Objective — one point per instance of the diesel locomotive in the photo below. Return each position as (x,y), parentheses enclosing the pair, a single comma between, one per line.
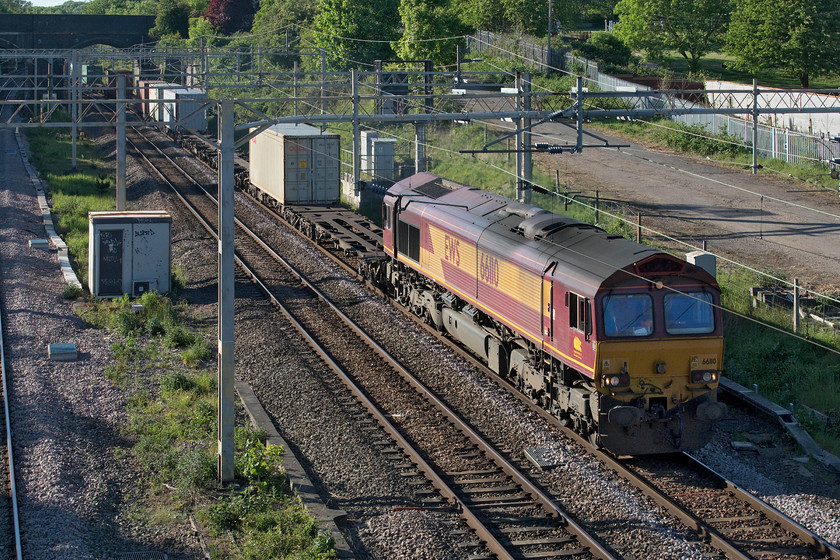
(620,341)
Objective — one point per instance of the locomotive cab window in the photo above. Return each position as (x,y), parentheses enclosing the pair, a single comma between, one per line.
(690,313)
(628,315)
(580,316)
(408,240)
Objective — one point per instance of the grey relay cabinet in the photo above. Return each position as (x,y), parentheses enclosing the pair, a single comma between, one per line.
(128,253)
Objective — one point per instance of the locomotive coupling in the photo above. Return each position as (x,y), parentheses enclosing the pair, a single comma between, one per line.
(625,416)
(712,411)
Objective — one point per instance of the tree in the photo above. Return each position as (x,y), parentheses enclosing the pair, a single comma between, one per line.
(800,36)
(230,16)
(519,16)
(690,27)
(172,19)
(431,30)
(354,33)
(14,6)
(201,28)
(276,15)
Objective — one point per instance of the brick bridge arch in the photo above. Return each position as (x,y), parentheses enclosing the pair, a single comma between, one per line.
(61,31)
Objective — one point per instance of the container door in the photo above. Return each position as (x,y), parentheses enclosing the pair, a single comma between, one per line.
(298,187)
(325,166)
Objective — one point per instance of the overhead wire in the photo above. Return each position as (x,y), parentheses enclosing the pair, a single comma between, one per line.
(615,216)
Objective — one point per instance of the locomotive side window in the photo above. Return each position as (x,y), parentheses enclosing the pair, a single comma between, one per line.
(628,315)
(386,216)
(408,240)
(690,313)
(580,316)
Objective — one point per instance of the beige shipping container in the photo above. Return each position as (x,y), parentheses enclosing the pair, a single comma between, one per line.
(296,164)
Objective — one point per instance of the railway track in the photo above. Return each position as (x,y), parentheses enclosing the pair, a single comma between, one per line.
(735,523)
(510,515)
(10,542)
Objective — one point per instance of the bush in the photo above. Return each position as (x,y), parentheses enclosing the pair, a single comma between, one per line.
(606,48)
(195,470)
(177,381)
(197,352)
(178,336)
(72,291)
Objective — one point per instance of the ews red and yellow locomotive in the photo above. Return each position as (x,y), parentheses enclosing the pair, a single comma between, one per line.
(621,341)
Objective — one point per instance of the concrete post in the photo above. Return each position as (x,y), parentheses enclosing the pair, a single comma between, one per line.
(295,85)
(226,293)
(323,80)
(120,143)
(796,305)
(755,128)
(419,147)
(520,196)
(75,77)
(357,137)
(527,165)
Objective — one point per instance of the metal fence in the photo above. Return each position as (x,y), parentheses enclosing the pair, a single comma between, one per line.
(514,48)
(773,142)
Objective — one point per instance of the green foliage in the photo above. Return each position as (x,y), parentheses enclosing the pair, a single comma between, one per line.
(265,520)
(72,292)
(13,6)
(685,138)
(229,514)
(172,19)
(274,16)
(800,36)
(606,48)
(201,28)
(258,462)
(690,27)
(424,21)
(511,16)
(74,192)
(195,470)
(356,32)
(176,381)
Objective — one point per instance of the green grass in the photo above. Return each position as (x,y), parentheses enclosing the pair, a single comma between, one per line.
(172,420)
(73,192)
(718,66)
(167,372)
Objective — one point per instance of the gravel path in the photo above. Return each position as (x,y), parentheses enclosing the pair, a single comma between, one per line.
(75,491)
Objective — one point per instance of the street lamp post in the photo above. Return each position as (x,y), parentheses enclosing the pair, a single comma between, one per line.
(835,174)
(548,48)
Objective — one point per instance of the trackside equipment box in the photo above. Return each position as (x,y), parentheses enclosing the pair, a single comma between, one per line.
(296,164)
(129,253)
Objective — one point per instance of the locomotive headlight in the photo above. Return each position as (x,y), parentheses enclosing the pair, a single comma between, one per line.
(706,376)
(619,380)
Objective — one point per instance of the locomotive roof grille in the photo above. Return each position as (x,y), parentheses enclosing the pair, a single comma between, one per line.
(660,265)
(437,188)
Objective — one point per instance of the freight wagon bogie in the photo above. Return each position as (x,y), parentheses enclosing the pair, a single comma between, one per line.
(617,340)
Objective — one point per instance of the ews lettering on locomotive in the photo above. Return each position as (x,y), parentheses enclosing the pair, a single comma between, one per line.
(451,250)
(488,269)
